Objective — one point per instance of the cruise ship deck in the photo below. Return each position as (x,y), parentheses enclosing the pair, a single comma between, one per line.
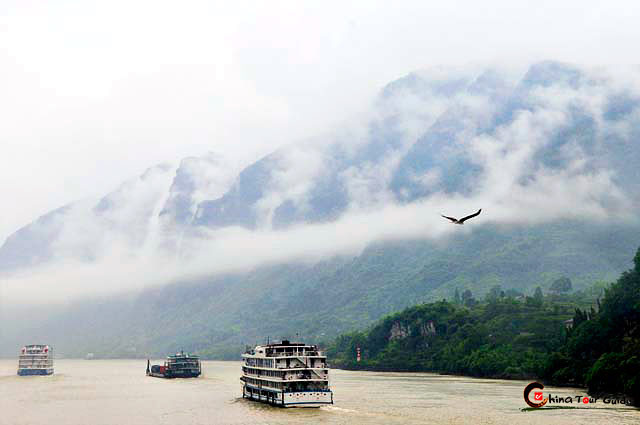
(36,359)
(286,374)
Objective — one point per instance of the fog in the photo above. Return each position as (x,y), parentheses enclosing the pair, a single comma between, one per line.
(130,248)
(94,93)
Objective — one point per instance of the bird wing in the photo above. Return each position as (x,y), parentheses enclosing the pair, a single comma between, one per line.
(462,220)
(450,218)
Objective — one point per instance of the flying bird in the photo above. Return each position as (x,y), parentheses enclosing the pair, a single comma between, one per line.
(463,219)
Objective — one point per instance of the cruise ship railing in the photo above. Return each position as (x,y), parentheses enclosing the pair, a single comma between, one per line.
(296,354)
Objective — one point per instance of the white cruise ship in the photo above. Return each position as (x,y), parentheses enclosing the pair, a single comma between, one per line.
(35,360)
(286,374)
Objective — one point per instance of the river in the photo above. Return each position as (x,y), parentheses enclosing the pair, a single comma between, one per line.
(115,392)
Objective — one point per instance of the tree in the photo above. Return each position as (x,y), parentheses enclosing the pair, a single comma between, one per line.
(456,297)
(537,300)
(579,317)
(467,298)
(537,295)
(513,293)
(494,293)
(603,345)
(561,285)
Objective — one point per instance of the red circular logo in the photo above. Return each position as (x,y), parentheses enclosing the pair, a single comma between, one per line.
(538,396)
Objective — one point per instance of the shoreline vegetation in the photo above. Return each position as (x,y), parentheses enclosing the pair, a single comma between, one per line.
(587,339)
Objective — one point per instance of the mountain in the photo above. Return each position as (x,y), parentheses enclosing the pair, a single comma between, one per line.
(146,213)
(217,316)
(82,230)
(551,154)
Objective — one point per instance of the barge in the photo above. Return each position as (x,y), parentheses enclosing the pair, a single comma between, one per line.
(179,365)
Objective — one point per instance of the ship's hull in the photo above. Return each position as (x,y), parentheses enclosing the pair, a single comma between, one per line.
(35,372)
(171,375)
(306,399)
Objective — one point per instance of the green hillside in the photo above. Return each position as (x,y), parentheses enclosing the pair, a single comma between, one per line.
(507,336)
(216,317)
(511,336)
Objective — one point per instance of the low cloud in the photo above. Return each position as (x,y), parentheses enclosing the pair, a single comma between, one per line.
(515,187)
(552,197)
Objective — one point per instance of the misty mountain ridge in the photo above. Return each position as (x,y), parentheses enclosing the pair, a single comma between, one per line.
(551,156)
(419,142)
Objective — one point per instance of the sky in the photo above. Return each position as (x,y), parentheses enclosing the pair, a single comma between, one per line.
(94,93)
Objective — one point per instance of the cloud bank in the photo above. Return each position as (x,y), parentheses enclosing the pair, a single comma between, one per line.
(94,92)
(541,147)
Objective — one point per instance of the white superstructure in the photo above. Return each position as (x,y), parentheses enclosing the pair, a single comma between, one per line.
(35,359)
(287,374)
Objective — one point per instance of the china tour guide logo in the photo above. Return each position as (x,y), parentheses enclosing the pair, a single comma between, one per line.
(538,396)
(540,400)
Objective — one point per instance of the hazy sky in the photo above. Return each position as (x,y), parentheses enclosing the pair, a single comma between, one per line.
(93,93)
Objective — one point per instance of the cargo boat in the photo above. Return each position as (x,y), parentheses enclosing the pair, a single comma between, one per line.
(179,365)
(286,374)
(36,359)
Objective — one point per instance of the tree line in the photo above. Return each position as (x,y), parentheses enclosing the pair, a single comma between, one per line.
(587,338)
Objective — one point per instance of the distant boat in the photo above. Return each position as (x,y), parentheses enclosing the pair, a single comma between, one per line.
(286,374)
(89,356)
(35,359)
(180,365)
